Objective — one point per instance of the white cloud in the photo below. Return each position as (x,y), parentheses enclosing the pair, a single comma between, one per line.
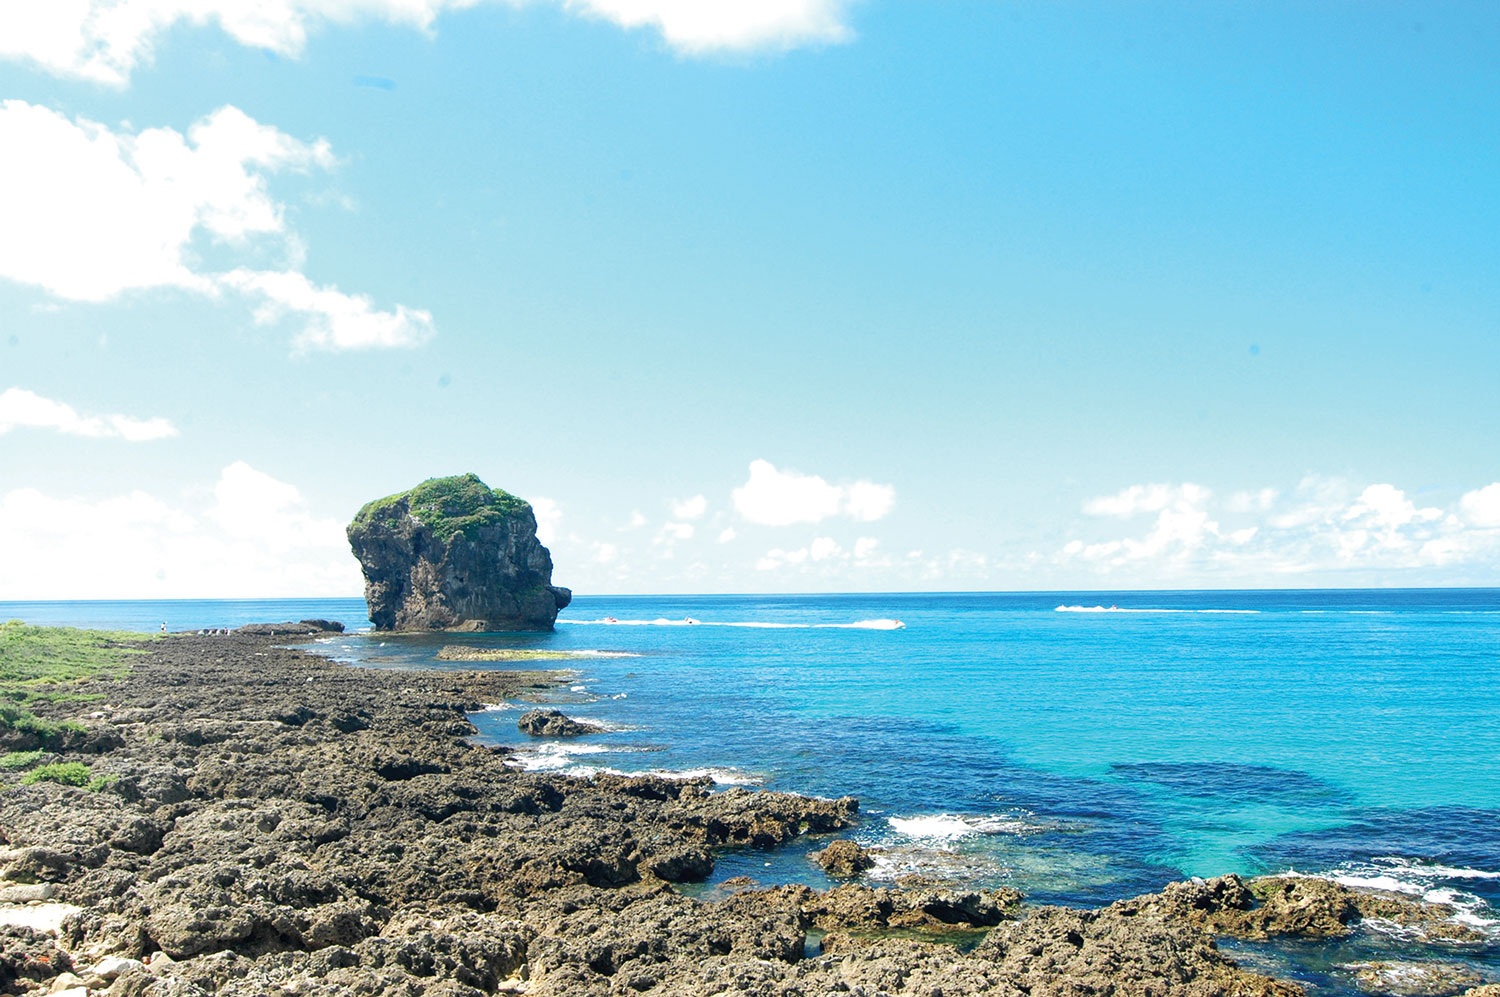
(1482,506)
(833,559)
(1388,506)
(1256,501)
(257,537)
(822,548)
(91,213)
(670,533)
(106,40)
(867,501)
(1138,499)
(782,498)
(334,321)
(548,518)
(692,508)
(727,534)
(1322,526)
(22,408)
(605,553)
(701,26)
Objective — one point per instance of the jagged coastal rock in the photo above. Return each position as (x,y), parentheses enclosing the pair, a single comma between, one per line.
(455,554)
(843,858)
(551,723)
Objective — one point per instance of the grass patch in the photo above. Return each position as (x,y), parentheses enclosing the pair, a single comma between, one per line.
(448,506)
(65,773)
(20,759)
(54,665)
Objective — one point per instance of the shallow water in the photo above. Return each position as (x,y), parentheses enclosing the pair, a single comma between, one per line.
(1081,755)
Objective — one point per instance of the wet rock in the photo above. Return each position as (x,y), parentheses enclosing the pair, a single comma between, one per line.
(552,723)
(843,858)
(1117,950)
(875,908)
(305,628)
(1297,906)
(1413,979)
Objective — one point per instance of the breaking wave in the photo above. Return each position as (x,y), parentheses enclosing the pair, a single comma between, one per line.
(1117,609)
(688,621)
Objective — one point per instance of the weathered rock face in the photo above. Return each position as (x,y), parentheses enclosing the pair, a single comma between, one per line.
(455,554)
(551,723)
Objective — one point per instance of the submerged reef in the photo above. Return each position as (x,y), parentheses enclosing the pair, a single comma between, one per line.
(455,554)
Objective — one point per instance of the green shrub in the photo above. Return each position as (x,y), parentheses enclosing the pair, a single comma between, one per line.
(19,759)
(66,773)
(449,506)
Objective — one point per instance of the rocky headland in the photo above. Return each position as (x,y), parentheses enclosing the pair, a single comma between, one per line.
(455,554)
(258,820)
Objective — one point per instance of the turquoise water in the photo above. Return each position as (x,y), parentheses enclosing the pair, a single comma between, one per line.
(1081,754)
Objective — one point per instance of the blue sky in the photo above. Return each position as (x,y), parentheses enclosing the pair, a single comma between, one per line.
(800,295)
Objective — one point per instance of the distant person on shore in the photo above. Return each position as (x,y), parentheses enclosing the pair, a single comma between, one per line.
(164,627)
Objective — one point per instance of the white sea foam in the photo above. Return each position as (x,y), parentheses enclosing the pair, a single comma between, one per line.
(1420,880)
(942,827)
(1117,609)
(553,757)
(950,827)
(1389,884)
(720,776)
(1439,871)
(878,624)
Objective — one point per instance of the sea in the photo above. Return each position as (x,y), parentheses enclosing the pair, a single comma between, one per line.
(1079,746)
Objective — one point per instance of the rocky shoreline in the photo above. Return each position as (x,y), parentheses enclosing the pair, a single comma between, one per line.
(266,821)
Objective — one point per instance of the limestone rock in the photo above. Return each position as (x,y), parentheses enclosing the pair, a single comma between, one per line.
(1413,979)
(551,723)
(454,554)
(843,858)
(306,628)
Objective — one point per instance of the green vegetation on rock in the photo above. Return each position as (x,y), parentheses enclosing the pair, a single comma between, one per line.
(20,759)
(66,773)
(53,665)
(449,506)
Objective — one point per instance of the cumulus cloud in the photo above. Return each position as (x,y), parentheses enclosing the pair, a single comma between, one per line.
(781,498)
(703,26)
(692,508)
(92,213)
(27,409)
(1482,506)
(257,536)
(548,518)
(1322,525)
(106,40)
(727,534)
(826,552)
(332,320)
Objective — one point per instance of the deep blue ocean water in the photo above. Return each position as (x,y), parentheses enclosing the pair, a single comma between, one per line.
(1080,746)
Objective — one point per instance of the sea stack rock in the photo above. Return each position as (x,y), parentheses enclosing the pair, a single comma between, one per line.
(455,554)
